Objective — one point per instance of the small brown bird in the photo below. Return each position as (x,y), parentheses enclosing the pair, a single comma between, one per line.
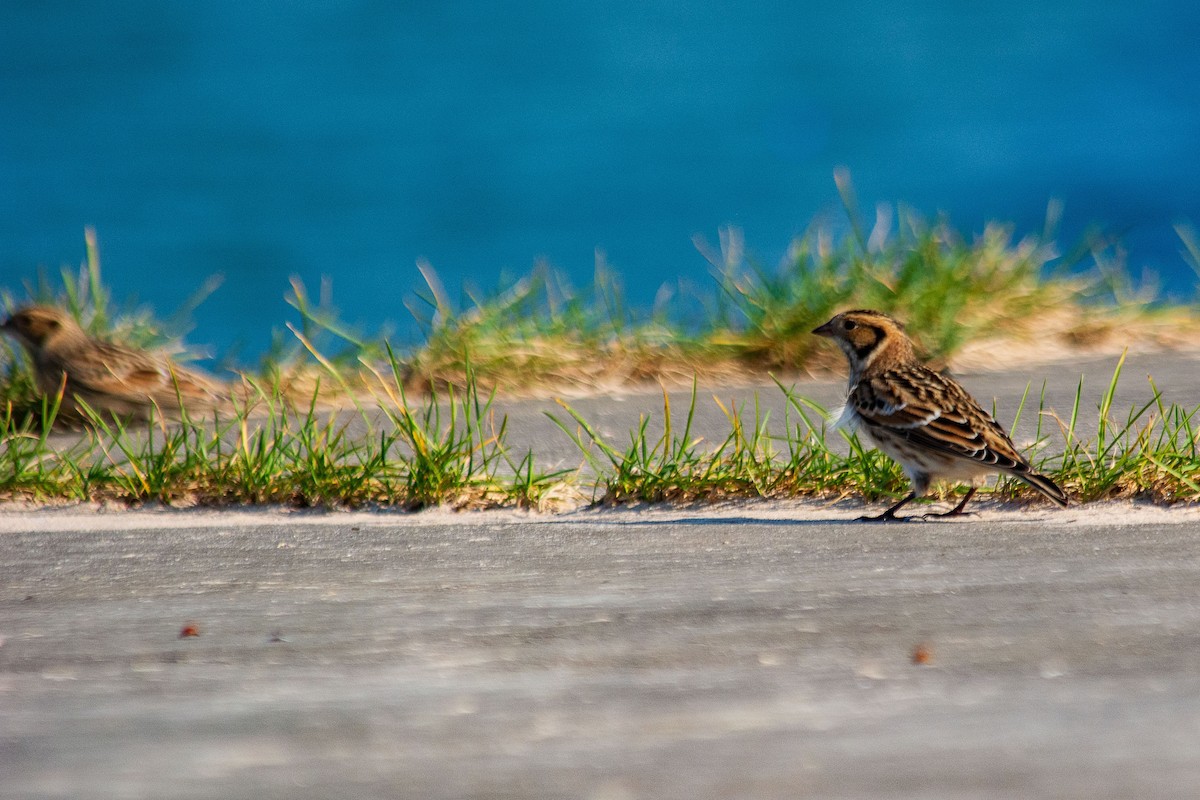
(107,377)
(921,418)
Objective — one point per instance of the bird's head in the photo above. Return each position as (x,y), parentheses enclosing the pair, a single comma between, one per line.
(35,326)
(868,338)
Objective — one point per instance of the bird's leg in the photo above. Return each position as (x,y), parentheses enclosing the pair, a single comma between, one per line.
(890,514)
(957,511)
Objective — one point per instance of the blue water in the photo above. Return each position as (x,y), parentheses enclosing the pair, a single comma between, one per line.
(261,140)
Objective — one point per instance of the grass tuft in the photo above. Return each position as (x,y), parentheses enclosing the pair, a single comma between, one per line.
(424,430)
(1150,454)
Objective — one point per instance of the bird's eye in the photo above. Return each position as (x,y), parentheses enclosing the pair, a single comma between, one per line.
(849,324)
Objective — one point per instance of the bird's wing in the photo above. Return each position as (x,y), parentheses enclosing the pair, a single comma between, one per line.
(932,410)
(134,375)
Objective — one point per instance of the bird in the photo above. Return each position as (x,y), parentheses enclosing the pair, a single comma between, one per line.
(122,381)
(922,419)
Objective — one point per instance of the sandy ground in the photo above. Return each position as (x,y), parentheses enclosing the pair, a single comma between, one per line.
(751,650)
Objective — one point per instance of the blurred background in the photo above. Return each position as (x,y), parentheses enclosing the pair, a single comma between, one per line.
(260,140)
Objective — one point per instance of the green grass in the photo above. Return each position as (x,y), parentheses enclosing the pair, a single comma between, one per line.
(426,433)
(1149,453)
(539,331)
(448,451)
(452,450)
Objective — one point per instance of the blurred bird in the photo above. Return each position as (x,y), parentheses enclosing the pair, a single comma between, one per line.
(121,381)
(921,418)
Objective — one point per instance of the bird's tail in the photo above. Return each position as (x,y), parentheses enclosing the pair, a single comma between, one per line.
(1043,485)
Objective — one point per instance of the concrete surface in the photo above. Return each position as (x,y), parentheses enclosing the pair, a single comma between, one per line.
(746,651)
(756,651)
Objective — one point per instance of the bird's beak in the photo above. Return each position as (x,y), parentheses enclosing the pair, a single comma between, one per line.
(824,330)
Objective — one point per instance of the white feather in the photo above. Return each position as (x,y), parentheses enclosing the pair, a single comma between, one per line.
(844,419)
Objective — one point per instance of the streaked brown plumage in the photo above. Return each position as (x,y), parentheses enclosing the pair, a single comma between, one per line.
(924,420)
(107,377)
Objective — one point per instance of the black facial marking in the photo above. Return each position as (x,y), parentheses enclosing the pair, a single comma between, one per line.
(863,349)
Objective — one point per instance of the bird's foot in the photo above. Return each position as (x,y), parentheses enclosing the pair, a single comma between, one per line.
(890,514)
(952,513)
(957,511)
(886,516)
